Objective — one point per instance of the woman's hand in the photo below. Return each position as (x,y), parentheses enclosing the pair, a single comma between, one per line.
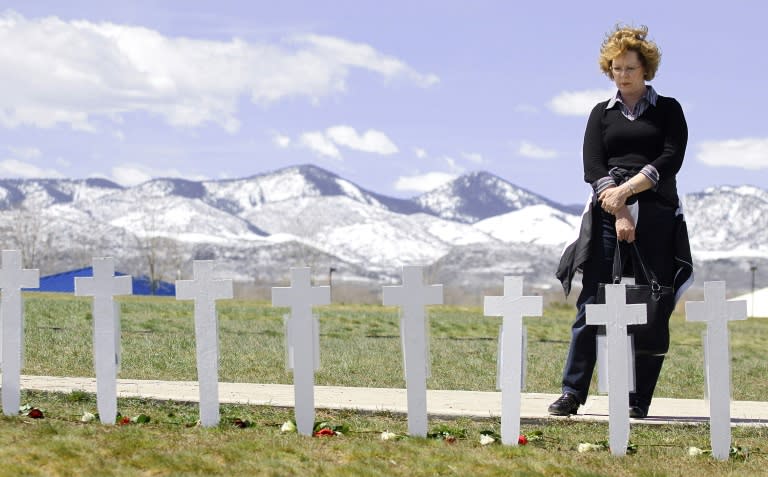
(625,225)
(613,199)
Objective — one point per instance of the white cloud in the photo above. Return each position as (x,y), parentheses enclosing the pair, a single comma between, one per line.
(371,141)
(747,153)
(578,103)
(281,141)
(533,151)
(326,142)
(364,56)
(451,163)
(420,153)
(473,157)
(78,72)
(424,182)
(318,142)
(24,170)
(133,174)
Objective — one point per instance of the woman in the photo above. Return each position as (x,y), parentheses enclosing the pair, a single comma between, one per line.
(634,145)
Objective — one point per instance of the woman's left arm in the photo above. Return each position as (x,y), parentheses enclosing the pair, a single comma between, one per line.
(612,200)
(675,139)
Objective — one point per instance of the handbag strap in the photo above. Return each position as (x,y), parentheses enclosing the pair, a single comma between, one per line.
(650,277)
(617,265)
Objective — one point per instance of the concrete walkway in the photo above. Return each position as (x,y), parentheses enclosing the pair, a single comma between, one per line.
(439,403)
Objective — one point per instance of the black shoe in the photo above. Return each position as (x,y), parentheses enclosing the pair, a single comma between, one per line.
(638,412)
(565,405)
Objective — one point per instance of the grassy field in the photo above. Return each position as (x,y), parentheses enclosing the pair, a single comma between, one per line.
(359,347)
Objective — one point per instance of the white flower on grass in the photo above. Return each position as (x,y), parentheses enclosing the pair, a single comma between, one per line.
(388,436)
(587,447)
(88,417)
(694,451)
(288,426)
(485,439)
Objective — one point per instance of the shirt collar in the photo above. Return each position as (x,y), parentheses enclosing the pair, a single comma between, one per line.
(650,95)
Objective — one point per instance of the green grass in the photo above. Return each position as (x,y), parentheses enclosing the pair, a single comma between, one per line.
(170,445)
(359,347)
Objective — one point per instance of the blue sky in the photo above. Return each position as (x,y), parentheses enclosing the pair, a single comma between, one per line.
(396,96)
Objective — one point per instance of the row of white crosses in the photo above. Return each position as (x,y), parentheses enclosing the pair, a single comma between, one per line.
(412,297)
(302,342)
(616,315)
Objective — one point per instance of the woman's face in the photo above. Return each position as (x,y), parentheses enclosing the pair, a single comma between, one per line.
(628,73)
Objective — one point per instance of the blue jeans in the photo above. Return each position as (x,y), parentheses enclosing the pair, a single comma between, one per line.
(582,354)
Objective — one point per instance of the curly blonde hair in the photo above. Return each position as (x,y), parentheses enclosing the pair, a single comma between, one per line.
(626,38)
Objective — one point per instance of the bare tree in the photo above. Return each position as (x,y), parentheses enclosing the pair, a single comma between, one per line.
(29,233)
(161,254)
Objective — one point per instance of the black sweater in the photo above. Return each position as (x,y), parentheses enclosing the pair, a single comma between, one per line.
(658,137)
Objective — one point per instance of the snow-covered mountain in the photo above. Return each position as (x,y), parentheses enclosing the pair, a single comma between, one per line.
(364,233)
(728,220)
(44,192)
(540,224)
(243,196)
(471,231)
(479,195)
(474,269)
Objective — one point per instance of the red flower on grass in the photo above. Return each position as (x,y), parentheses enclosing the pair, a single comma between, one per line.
(35,413)
(325,431)
(522,440)
(124,420)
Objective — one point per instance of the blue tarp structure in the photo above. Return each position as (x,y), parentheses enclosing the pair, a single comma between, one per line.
(65,282)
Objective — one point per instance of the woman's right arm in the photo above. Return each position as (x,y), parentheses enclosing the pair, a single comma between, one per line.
(594,154)
(625,225)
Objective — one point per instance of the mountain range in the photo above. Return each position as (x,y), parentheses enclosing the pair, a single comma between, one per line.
(469,232)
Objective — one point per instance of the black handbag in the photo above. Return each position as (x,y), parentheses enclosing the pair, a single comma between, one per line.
(651,338)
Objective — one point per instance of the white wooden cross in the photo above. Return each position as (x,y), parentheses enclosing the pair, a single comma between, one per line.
(412,296)
(616,314)
(602,363)
(204,290)
(717,312)
(103,286)
(300,297)
(12,279)
(512,307)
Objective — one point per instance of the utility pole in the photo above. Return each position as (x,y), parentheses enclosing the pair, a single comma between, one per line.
(753,269)
(330,280)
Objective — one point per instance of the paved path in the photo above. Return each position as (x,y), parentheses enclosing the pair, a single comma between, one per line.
(439,403)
